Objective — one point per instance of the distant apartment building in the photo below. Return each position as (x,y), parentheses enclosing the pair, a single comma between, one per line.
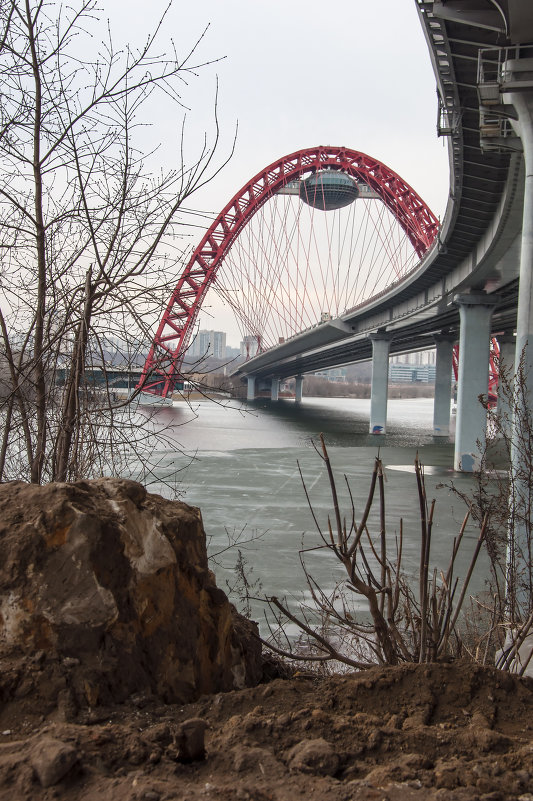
(337,375)
(418,358)
(416,368)
(208,343)
(411,373)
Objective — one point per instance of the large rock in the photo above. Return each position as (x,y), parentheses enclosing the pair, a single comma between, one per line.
(105,589)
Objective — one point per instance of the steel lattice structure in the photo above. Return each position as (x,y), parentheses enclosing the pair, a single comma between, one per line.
(177,324)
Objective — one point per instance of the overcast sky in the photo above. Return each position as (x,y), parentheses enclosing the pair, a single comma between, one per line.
(296,74)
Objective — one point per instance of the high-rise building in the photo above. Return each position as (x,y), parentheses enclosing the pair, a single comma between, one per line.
(208,343)
(416,358)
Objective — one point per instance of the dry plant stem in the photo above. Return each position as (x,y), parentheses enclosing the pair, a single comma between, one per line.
(395,597)
(325,456)
(291,655)
(456,543)
(382,537)
(491,630)
(526,664)
(370,498)
(424,557)
(509,654)
(333,653)
(473,561)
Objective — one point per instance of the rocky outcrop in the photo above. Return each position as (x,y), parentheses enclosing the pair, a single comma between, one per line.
(105,592)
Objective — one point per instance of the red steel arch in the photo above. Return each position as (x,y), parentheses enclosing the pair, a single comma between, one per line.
(174,331)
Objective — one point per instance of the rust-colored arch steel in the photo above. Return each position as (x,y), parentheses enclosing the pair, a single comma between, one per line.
(172,337)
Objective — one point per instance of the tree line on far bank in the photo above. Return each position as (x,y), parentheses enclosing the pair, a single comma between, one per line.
(316,386)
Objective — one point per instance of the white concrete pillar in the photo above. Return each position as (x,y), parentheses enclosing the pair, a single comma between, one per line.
(523,103)
(443,384)
(298,389)
(519,544)
(274,389)
(507,344)
(250,391)
(475,311)
(380,381)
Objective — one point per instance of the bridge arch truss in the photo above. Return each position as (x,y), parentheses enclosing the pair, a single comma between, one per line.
(176,327)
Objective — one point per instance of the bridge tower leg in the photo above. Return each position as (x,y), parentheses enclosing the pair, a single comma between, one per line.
(250,390)
(475,311)
(274,389)
(380,381)
(298,389)
(443,385)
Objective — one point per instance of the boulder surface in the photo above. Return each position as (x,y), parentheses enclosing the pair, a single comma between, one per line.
(105,592)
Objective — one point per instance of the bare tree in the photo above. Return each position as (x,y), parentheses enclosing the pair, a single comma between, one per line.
(405,622)
(87,233)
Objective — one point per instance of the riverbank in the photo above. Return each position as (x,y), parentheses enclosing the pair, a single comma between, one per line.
(446,732)
(439,732)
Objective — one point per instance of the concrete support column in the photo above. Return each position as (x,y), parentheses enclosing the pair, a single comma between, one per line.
(443,385)
(274,389)
(380,381)
(523,103)
(475,311)
(250,390)
(298,389)
(519,546)
(507,345)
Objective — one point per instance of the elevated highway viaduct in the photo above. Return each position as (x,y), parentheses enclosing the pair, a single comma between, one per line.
(475,281)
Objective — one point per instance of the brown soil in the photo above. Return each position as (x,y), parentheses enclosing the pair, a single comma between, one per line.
(450,731)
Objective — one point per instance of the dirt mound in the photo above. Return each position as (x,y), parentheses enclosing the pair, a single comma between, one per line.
(448,732)
(105,591)
(110,622)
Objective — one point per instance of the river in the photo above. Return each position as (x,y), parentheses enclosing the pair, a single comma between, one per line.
(240,464)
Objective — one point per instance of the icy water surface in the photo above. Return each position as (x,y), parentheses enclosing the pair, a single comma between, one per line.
(241,465)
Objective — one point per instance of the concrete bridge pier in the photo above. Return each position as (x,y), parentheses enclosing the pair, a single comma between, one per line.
(507,344)
(443,384)
(250,389)
(298,389)
(380,381)
(475,312)
(520,73)
(274,388)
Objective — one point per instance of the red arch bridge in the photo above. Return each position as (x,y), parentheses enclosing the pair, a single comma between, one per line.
(279,268)
(309,254)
